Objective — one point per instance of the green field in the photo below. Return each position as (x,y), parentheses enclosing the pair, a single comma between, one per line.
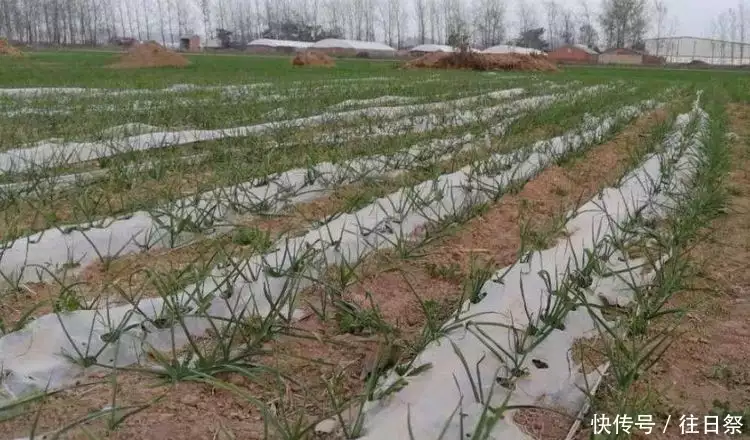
(289,240)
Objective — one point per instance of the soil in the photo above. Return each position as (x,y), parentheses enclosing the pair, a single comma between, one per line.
(705,371)
(141,272)
(312,58)
(7,49)
(316,353)
(480,61)
(150,54)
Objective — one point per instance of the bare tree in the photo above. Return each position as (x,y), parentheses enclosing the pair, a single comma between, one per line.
(568,27)
(420,14)
(732,31)
(624,22)
(526,16)
(553,13)
(721,29)
(741,11)
(660,16)
(489,18)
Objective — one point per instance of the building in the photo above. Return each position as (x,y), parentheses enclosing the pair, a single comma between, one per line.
(266,45)
(574,53)
(213,43)
(621,55)
(504,48)
(352,48)
(683,50)
(190,44)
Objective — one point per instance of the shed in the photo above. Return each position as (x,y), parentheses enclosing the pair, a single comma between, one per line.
(574,53)
(190,43)
(364,49)
(621,55)
(213,43)
(267,45)
(505,48)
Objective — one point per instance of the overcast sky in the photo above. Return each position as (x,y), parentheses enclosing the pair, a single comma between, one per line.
(693,17)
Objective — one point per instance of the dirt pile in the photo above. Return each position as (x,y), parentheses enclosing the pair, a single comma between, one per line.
(7,49)
(312,58)
(150,54)
(481,61)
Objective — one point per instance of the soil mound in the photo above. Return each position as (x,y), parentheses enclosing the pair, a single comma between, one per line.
(312,58)
(481,61)
(150,54)
(7,49)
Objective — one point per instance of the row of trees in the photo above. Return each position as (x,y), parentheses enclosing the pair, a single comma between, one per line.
(396,22)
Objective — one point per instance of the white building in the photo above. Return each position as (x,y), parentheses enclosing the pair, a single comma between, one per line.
(354,47)
(682,50)
(427,48)
(269,46)
(504,48)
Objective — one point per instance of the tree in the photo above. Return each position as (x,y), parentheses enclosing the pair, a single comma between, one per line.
(624,22)
(532,39)
(553,13)
(526,16)
(225,37)
(489,17)
(568,28)
(420,11)
(660,15)
(588,36)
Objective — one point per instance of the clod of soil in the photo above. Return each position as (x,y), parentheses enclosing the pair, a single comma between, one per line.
(312,58)
(480,61)
(7,49)
(150,54)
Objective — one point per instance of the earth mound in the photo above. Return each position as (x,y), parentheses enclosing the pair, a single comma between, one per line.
(7,49)
(150,54)
(481,61)
(312,58)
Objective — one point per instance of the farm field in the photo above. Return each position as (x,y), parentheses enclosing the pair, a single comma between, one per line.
(240,249)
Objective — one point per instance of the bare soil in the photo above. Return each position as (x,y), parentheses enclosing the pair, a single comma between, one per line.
(150,54)
(705,371)
(316,353)
(480,61)
(7,49)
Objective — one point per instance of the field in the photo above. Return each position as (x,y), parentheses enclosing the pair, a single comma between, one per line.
(240,249)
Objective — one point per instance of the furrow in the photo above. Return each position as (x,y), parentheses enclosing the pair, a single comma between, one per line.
(50,155)
(264,283)
(515,342)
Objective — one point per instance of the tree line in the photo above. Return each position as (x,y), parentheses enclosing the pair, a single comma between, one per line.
(398,23)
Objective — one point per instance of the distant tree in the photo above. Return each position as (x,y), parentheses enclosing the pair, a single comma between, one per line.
(624,22)
(489,16)
(532,39)
(297,30)
(459,40)
(568,30)
(588,36)
(225,37)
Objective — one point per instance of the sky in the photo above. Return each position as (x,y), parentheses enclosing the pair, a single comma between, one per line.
(693,17)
